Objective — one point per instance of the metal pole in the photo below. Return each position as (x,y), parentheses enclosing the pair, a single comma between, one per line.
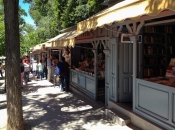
(133,39)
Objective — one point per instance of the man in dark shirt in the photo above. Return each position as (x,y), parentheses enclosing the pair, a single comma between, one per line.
(66,73)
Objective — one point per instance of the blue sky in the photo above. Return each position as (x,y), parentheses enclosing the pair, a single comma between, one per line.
(25,6)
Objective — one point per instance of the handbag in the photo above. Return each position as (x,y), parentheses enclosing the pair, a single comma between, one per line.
(58,79)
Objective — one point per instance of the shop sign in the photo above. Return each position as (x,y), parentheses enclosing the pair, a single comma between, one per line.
(86,35)
(125,38)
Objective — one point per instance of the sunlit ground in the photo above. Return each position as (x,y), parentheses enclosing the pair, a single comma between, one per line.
(46,108)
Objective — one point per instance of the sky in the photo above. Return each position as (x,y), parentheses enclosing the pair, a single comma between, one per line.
(25,6)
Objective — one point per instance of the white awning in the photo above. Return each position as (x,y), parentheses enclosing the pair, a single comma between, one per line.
(64,39)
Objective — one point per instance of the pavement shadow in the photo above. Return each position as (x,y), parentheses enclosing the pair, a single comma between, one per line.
(61,111)
(33,89)
(3,105)
(2,91)
(2,78)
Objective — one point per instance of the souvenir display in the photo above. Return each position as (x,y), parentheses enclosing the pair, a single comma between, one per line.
(87,66)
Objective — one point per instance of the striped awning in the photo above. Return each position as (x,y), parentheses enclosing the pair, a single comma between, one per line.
(128,9)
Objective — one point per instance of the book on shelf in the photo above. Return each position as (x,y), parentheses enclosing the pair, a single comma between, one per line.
(148,72)
(168,29)
(153,39)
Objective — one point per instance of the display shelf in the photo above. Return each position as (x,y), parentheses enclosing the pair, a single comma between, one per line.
(153,65)
(157,33)
(150,55)
(163,44)
(158,49)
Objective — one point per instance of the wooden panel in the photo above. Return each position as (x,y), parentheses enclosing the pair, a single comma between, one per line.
(112,69)
(173,108)
(153,100)
(74,77)
(81,81)
(126,85)
(107,68)
(113,87)
(113,59)
(127,56)
(90,85)
(125,72)
(126,59)
(106,95)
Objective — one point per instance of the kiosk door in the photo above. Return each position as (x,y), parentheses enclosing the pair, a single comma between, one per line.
(125,72)
(111,71)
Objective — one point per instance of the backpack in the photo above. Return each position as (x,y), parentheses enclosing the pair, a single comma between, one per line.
(59,68)
(22,68)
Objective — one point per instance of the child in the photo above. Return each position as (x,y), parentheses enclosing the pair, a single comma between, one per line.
(40,69)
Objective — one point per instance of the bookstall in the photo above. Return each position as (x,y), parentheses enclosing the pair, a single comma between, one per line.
(155,88)
(88,69)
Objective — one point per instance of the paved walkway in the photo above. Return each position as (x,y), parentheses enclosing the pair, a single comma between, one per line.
(46,108)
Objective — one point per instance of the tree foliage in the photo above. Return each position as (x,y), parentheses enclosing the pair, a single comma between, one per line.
(50,16)
(75,11)
(55,15)
(2,28)
(2,32)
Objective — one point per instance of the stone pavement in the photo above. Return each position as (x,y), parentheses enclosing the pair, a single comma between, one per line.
(46,108)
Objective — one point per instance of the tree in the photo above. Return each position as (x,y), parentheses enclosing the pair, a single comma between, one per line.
(14,97)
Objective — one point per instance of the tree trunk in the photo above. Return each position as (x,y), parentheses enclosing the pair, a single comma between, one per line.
(14,97)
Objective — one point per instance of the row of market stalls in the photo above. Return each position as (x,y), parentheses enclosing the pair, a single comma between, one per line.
(121,55)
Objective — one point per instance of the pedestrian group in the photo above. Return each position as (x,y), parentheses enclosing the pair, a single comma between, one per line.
(43,68)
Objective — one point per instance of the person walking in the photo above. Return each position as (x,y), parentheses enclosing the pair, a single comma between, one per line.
(45,67)
(22,72)
(49,68)
(59,72)
(66,73)
(26,72)
(35,69)
(40,69)
(1,68)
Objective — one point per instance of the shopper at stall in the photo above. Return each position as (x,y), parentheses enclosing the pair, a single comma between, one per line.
(22,72)
(59,73)
(26,59)
(26,72)
(49,67)
(1,68)
(66,73)
(67,56)
(35,69)
(45,67)
(40,69)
